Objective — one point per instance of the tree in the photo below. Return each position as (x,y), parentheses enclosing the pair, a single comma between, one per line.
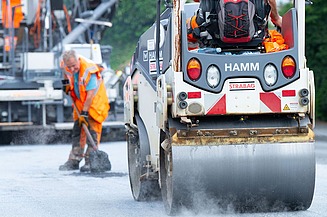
(316,52)
(132,18)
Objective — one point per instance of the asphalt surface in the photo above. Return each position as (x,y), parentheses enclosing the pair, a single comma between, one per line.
(32,186)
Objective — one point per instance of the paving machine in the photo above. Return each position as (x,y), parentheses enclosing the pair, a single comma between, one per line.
(231,127)
(34,33)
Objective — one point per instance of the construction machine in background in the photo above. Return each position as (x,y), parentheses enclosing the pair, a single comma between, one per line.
(215,126)
(34,34)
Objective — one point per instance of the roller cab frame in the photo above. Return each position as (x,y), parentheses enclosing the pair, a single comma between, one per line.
(238,130)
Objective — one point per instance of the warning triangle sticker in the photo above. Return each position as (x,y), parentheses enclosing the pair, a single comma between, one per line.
(286,107)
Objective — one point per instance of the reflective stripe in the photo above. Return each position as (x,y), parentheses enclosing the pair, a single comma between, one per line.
(98,86)
(92,82)
(85,74)
(68,74)
(87,70)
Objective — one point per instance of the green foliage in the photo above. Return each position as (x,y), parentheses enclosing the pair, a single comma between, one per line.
(132,18)
(284,8)
(316,52)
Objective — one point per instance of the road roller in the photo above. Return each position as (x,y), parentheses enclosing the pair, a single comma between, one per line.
(230,125)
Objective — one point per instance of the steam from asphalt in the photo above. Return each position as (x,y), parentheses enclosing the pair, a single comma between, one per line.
(99,175)
(40,137)
(199,199)
(206,205)
(203,204)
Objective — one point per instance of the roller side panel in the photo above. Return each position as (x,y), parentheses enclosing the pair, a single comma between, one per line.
(138,148)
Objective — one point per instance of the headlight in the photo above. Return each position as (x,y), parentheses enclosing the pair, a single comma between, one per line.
(270,74)
(213,76)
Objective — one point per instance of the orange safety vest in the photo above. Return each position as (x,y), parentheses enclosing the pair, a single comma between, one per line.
(7,13)
(100,104)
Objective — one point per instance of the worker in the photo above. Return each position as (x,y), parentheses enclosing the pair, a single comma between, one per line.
(209,19)
(83,82)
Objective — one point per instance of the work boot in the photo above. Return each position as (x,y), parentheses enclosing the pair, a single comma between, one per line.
(85,168)
(69,165)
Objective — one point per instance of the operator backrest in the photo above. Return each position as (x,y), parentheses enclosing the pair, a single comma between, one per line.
(235,22)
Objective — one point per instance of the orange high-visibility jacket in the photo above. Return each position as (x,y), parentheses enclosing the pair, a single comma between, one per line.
(100,104)
(7,13)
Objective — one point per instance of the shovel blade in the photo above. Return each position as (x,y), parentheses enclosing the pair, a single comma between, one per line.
(99,161)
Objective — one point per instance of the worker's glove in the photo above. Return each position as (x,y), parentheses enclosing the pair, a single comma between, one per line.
(193,31)
(83,119)
(66,87)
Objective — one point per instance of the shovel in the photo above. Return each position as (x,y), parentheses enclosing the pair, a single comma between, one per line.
(99,160)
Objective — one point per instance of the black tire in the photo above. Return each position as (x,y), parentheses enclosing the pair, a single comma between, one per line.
(138,148)
(166,178)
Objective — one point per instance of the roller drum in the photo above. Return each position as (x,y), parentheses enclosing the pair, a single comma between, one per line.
(260,177)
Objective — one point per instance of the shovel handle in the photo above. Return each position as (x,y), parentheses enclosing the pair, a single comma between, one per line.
(86,130)
(88,134)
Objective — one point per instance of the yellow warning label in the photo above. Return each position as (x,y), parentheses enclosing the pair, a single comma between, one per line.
(286,107)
